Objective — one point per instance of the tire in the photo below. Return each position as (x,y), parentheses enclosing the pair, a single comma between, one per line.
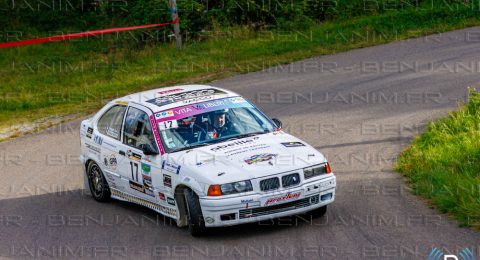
(196,223)
(97,183)
(320,212)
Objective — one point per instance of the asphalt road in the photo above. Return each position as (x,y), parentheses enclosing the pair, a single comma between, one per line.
(360,108)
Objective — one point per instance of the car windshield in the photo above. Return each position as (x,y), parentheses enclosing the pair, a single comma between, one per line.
(210,122)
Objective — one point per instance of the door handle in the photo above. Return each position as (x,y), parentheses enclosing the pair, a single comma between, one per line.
(121,152)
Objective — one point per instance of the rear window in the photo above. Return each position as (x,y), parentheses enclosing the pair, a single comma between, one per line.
(110,123)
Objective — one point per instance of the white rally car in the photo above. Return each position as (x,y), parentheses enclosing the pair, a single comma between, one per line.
(203,156)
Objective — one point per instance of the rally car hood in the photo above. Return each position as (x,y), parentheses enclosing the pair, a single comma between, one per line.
(247,158)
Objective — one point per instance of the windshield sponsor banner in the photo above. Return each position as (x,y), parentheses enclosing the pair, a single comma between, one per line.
(204,107)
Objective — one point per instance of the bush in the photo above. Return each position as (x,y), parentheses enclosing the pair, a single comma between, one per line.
(443,164)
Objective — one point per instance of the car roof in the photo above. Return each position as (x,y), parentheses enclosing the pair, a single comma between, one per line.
(161,99)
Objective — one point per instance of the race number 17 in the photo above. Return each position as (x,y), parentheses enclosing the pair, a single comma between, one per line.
(168,124)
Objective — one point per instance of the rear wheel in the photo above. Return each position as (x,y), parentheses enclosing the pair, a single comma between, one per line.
(97,183)
(196,223)
(320,212)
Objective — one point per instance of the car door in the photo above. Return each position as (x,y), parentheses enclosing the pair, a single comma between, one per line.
(137,169)
(107,135)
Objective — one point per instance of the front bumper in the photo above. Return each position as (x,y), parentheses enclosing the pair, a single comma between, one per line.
(257,207)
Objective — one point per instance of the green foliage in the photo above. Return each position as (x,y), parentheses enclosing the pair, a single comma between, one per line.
(443,164)
(45,16)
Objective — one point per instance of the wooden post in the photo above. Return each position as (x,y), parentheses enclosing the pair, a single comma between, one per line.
(176,26)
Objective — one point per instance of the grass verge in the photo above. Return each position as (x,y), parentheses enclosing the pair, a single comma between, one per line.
(443,164)
(80,76)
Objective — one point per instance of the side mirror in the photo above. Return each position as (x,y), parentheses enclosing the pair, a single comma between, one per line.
(277,122)
(147,150)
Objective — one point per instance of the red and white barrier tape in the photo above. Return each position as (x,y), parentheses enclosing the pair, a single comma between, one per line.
(82,34)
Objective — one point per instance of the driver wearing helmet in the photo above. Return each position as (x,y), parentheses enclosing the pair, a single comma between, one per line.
(220,126)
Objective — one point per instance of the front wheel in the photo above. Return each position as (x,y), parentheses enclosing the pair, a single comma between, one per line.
(97,183)
(196,223)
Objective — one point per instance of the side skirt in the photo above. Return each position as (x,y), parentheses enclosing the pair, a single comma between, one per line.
(167,211)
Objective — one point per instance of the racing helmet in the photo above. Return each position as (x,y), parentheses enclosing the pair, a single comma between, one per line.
(220,111)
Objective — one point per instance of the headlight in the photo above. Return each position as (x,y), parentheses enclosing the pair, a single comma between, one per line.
(317,170)
(230,188)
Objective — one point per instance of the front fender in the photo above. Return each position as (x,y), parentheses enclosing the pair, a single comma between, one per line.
(195,186)
(192,183)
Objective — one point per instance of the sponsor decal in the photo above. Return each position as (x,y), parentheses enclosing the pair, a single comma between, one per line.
(246,149)
(236,100)
(110,162)
(189,96)
(111,178)
(169,211)
(198,99)
(125,103)
(146,168)
(284,198)
(183,110)
(157,136)
(135,156)
(147,184)
(171,167)
(167,180)
(171,201)
(164,114)
(232,144)
(212,104)
(89,132)
(149,192)
(145,188)
(170,91)
(97,139)
(109,144)
(112,132)
(260,158)
(293,144)
(250,203)
(147,179)
(247,201)
(161,195)
(93,148)
(137,187)
(209,220)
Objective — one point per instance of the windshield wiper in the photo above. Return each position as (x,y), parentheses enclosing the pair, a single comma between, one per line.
(191,147)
